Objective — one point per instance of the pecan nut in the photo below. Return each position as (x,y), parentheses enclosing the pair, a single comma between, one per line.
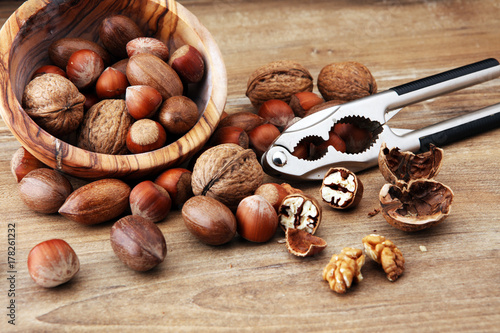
(300,211)
(384,252)
(344,269)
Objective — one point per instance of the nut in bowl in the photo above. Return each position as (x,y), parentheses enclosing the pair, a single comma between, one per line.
(25,41)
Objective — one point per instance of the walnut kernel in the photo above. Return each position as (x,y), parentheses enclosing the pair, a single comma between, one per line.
(384,252)
(343,269)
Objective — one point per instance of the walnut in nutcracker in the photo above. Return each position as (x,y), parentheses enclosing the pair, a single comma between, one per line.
(54,103)
(104,128)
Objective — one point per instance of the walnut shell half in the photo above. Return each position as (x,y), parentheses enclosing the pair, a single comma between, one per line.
(278,80)
(228,173)
(423,204)
(399,168)
(54,103)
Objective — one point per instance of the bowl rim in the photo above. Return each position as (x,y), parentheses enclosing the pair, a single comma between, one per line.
(78,162)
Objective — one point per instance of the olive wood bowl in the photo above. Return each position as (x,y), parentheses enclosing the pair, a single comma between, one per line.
(24,44)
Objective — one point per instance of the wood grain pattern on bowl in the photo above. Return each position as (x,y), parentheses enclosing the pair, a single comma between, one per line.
(25,39)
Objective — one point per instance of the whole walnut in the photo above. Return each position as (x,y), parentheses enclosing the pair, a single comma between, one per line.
(228,173)
(54,103)
(104,128)
(346,81)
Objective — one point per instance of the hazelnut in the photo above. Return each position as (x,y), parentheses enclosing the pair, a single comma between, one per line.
(274,193)
(188,62)
(276,112)
(333,140)
(356,139)
(54,103)
(150,201)
(116,31)
(44,190)
(49,69)
(262,137)
(178,114)
(150,45)
(111,84)
(90,99)
(52,263)
(145,135)
(230,134)
(23,162)
(97,202)
(341,188)
(177,182)
(256,219)
(245,119)
(84,68)
(138,243)
(209,220)
(303,101)
(142,101)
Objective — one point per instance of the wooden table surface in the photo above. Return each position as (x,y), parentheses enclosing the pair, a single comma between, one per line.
(452,287)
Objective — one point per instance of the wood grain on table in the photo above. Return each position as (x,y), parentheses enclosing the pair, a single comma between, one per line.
(452,287)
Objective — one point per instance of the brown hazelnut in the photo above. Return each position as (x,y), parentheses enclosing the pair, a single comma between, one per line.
(178,114)
(261,137)
(150,201)
(145,135)
(111,84)
(333,140)
(54,103)
(23,162)
(150,45)
(209,220)
(142,101)
(276,112)
(52,263)
(274,193)
(188,62)
(341,188)
(303,101)
(116,31)
(138,243)
(44,190)
(177,182)
(356,139)
(49,69)
(230,134)
(84,68)
(256,219)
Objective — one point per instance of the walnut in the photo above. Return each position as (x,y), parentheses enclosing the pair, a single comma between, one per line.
(303,244)
(384,252)
(228,173)
(278,80)
(54,103)
(300,211)
(346,81)
(343,269)
(104,128)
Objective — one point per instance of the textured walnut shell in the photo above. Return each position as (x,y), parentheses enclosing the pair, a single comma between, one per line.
(399,168)
(228,173)
(105,126)
(423,204)
(303,244)
(54,103)
(149,70)
(278,80)
(97,202)
(346,81)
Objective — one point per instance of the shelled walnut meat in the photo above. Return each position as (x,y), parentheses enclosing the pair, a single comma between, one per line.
(344,269)
(384,252)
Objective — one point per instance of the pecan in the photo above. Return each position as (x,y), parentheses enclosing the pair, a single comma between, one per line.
(384,252)
(343,269)
(299,211)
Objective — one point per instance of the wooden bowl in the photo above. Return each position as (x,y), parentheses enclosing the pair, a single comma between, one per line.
(24,43)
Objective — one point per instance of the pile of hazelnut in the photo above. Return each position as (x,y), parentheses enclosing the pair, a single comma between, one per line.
(127,96)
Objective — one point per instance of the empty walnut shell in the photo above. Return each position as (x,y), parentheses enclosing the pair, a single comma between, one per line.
(303,244)
(278,80)
(54,103)
(399,168)
(228,173)
(423,204)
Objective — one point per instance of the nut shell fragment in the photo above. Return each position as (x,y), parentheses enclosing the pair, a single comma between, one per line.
(341,188)
(300,211)
(228,173)
(303,244)
(399,168)
(344,269)
(384,252)
(278,80)
(423,204)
